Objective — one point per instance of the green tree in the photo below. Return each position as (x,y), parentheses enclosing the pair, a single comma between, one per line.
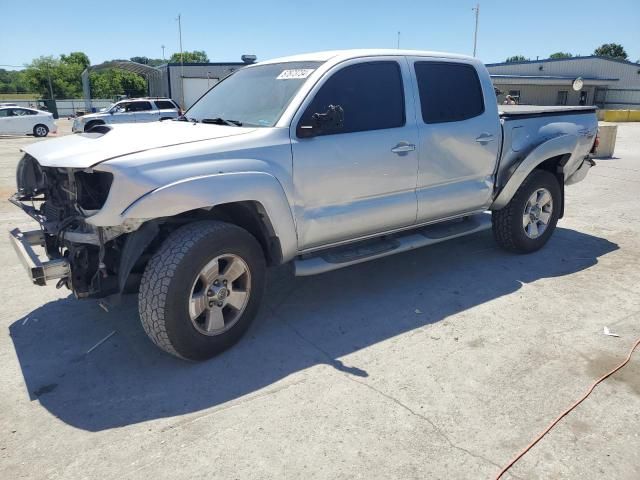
(561,55)
(612,50)
(516,58)
(76,58)
(62,75)
(111,82)
(152,62)
(196,56)
(13,81)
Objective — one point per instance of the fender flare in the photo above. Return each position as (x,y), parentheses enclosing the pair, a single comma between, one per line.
(208,191)
(555,147)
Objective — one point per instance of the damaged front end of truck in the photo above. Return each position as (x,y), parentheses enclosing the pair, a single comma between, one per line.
(84,258)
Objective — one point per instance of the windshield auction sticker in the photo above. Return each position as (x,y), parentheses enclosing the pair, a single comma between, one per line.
(294,74)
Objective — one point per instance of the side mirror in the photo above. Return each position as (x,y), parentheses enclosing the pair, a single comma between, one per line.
(321,123)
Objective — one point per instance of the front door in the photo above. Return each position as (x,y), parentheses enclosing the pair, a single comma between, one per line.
(360,178)
(123,112)
(460,138)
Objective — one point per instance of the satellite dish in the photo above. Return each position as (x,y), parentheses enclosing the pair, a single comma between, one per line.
(578,83)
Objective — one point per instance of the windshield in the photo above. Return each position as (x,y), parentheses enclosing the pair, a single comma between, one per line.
(253,96)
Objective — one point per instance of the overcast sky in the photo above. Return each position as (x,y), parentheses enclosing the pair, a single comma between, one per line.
(271,28)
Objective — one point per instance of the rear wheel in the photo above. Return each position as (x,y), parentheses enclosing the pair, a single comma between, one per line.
(525,224)
(40,130)
(202,289)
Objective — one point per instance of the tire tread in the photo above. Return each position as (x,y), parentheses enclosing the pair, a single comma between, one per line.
(503,220)
(154,287)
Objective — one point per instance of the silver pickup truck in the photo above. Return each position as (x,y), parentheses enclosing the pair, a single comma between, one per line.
(323,160)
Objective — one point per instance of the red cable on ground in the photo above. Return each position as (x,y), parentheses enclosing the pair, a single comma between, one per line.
(563,414)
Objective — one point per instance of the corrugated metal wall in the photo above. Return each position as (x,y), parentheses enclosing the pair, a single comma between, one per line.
(623,93)
(169,85)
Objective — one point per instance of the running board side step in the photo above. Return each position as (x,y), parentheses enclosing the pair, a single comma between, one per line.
(365,250)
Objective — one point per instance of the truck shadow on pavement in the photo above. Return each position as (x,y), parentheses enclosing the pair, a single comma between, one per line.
(303,322)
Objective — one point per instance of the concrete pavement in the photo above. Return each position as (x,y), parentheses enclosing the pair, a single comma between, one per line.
(438,363)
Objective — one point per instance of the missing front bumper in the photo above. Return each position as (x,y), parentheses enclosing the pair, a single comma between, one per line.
(38,271)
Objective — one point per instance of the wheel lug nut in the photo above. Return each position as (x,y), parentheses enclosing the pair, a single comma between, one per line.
(224,283)
(211,304)
(219,304)
(209,293)
(216,283)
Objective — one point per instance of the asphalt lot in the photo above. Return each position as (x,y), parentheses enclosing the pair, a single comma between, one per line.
(438,363)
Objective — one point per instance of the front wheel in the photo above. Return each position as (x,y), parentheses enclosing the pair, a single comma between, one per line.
(525,224)
(202,289)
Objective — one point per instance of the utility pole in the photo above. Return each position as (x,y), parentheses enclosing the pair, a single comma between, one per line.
(50,87)
(398,43)
(181,61)
(475,33)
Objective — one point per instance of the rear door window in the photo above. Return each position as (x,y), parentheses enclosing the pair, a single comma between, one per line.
(449,92)
(371,95)
(139,106)
(20,112)
(165,105)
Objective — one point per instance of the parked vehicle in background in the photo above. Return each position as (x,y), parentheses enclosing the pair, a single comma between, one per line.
(324,160)
(133,110)
(26,121)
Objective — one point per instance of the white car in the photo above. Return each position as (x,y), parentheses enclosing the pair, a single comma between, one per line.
(26,121)
(132,110)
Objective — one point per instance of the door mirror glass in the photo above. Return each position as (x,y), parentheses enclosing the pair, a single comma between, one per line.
(331,121)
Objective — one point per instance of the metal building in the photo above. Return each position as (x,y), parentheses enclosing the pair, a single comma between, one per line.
(607,83)
(186,83)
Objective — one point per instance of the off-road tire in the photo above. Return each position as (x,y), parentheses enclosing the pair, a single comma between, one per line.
(166,284)
(40,130)
(507,222)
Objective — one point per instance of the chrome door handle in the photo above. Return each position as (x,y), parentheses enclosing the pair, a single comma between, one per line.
(403,148)
(485,138)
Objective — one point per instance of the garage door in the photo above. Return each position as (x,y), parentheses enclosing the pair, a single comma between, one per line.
(194,88)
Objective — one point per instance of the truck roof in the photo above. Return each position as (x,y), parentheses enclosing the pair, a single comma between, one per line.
(341,55)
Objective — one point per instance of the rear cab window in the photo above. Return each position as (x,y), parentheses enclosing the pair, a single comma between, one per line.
(371,95)
(449,92)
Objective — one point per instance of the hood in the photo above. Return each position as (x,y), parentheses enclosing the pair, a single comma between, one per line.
(89,116)
(85,150)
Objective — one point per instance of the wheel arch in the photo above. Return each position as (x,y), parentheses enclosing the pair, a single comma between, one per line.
(92,123)
(254,201)
(551,156)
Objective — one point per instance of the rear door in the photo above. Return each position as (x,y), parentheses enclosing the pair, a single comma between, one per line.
(460,137)
(166,109)
(23,120)
(360,179)
(144,111)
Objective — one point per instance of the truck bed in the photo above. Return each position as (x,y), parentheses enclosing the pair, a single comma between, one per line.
(520,111)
